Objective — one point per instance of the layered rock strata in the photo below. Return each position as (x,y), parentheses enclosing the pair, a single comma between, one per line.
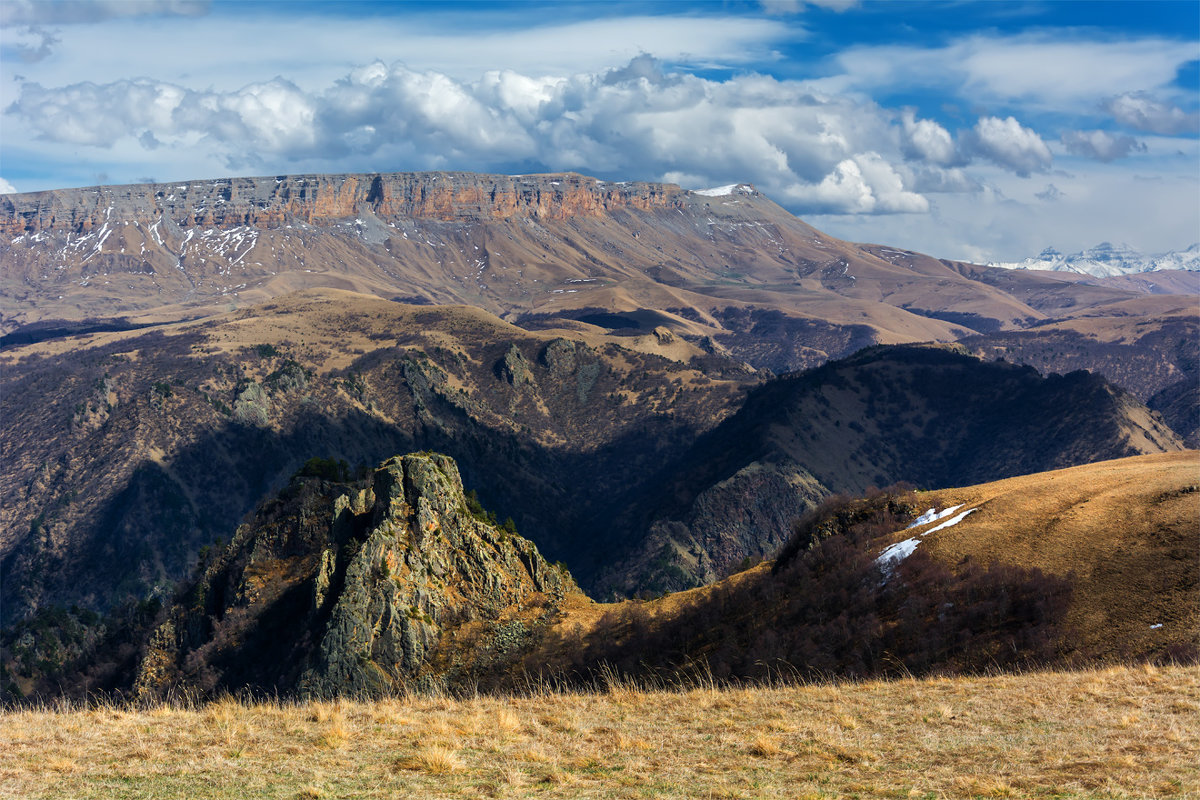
(312,199)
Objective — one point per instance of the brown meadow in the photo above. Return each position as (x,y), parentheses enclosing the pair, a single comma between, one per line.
(1124,731)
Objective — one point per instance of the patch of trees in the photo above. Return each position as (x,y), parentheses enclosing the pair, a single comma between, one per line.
(826,608)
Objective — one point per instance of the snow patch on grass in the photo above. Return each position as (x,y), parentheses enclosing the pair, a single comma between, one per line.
(895,553)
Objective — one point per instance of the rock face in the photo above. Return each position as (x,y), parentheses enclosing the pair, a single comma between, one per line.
(363,590)
(273,202)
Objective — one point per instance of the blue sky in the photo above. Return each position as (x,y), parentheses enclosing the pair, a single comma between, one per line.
(973,130)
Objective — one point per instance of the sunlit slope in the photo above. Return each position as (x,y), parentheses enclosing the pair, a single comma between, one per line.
(1079,565)
(1127,532)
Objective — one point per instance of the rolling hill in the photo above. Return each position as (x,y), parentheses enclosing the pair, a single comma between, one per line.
(141,447)
(401,582)
(1084,565)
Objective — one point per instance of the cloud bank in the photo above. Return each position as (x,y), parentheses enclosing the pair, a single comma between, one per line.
(932,146)
(821,153)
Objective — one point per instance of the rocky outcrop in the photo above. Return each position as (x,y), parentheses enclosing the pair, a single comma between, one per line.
(270,202)
(361,590)
(514,368)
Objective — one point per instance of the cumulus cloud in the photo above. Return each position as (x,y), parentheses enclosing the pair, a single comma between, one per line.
(865,184)
(1009,144)
(1100,145)
(1141,111)
(870,184)
(926,140)
(822,151)
(6,187)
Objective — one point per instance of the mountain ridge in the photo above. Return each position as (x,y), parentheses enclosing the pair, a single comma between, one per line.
(1107,260)
(400,582)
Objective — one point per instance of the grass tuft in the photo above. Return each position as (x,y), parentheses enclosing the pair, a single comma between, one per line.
(764,747)
(434,759)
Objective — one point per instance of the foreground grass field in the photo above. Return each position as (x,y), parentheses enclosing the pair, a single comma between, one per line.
(1118,732)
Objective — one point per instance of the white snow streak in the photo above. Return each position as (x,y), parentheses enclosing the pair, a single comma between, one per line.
(894,554)
(933,515)
(719,191)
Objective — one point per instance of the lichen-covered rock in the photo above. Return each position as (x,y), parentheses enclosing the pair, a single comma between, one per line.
(559,358)
(515,368)
(364,609)
(252,405)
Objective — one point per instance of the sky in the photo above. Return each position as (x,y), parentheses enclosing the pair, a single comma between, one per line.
(982,131)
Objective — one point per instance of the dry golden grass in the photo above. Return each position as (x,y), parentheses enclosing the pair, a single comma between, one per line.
(1116,732)
(1126,529)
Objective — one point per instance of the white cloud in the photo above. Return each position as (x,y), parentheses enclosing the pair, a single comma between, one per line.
(1007,220)
(928,141)
(1010,144)
(6,187)
(1141,111)
(797,6)
(864,184)
(639,120)
(1038,69)
(66,12)
(206,52)
(1100,145)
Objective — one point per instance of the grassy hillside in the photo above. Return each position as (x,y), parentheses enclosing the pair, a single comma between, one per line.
(930,416)
(1070,567)
(1112,733)
(1125,530)
(1090,563)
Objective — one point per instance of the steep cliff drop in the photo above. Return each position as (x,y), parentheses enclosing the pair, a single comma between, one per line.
(361,590)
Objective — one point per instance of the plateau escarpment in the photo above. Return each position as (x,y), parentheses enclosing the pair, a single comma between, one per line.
(728,267)
(313,199)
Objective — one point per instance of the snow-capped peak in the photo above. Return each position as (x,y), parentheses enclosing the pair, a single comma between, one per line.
(1106,260)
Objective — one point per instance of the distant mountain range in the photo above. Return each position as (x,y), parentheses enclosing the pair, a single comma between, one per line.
(1107,260)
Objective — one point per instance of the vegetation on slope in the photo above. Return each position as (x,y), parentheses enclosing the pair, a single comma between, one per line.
(124,458)
(931,416)
(826,607)
(1076,566)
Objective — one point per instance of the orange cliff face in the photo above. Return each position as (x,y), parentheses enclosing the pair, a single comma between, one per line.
(313,199)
